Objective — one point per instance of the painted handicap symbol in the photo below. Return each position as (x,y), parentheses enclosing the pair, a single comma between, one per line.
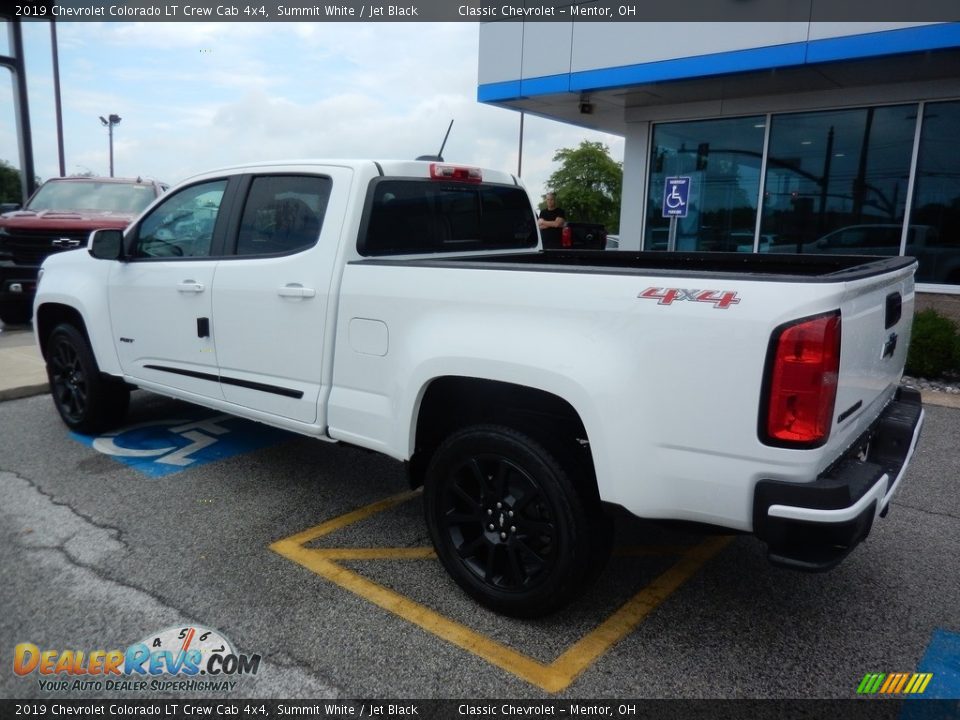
(160,447)
(170,455)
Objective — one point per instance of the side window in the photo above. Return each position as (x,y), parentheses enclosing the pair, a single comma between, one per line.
(182,225)
(283,214)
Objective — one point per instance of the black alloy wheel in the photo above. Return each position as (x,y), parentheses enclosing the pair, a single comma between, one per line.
(499,522)
(87,401)
(68,381)
(506,521)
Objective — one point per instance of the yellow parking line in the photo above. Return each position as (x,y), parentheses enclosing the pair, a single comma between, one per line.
(552,677)
(649,550)
(314,533)
(624,621)
(400,553)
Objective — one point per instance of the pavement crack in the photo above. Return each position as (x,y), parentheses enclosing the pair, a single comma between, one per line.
(46,524)
(114,532)
(925,511)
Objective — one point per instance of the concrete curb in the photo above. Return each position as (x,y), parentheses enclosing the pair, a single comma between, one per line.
(23,391)
(940,399)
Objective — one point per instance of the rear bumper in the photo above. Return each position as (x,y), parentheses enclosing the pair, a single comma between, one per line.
(813,526)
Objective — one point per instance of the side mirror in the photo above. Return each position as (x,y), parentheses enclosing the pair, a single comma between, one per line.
(9,207)
(106,244)
(822,243)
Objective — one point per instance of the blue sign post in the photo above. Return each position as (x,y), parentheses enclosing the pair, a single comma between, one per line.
(676,199)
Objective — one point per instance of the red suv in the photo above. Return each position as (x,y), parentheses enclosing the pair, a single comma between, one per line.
(59,216)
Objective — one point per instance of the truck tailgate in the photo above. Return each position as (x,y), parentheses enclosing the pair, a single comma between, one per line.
(876,317)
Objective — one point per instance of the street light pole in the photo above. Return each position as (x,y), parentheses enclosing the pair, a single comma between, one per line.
(109,122)
(56,95)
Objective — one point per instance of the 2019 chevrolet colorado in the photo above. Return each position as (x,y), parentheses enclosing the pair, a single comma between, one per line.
(408,308)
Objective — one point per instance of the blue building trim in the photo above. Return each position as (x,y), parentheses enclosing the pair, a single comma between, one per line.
(491,92)
(546,85)
(691,67)
(878,44)
(891,42)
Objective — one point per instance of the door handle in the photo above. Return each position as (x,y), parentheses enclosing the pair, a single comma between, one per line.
(190,286)
(296,290)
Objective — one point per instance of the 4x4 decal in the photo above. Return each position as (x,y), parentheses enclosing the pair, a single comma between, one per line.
(720,299)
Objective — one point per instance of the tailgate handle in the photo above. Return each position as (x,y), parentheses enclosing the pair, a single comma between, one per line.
(889,347)
(894,310)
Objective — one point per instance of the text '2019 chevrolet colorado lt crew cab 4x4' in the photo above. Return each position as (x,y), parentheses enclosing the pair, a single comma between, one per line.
(406,307)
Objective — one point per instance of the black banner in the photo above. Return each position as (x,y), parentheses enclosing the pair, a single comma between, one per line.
(489,10)
(488,709)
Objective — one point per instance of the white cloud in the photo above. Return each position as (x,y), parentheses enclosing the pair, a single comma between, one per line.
(195,96)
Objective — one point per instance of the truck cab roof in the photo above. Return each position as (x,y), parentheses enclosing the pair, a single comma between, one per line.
(387,168)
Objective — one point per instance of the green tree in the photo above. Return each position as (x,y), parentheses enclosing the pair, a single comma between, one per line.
(10,190)
(588,184)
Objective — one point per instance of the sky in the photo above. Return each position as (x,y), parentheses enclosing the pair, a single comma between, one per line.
(197,96)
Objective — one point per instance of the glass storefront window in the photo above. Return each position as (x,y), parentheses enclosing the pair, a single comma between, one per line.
(935,218)
(837,181)
(722,158)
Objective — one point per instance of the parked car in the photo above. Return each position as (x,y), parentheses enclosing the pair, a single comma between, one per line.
(744,241)
(581,236)
(59,216)
(939,260)
(407,308)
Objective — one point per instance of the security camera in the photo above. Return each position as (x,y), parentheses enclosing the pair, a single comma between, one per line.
(586,108)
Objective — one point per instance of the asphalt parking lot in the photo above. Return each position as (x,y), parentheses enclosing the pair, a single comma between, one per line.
(316,558)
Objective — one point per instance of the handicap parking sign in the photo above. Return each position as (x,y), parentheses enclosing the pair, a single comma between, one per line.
(676,194)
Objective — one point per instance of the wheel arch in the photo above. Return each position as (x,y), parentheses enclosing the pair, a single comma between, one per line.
(449,403)
(49,315)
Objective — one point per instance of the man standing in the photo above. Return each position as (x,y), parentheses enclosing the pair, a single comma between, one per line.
(551,222)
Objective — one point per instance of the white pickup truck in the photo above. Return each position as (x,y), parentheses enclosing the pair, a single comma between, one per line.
(407,307)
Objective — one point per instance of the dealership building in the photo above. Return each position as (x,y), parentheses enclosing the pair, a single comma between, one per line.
(797,136)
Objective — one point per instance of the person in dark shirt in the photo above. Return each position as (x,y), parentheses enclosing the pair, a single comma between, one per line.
(551,222)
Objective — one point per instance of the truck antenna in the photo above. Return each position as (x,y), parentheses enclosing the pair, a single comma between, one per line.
(439,156)
(444,144)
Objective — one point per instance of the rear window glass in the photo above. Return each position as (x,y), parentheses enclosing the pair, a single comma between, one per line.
(426,216)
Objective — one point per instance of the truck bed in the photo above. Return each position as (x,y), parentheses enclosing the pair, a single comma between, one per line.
(743,266)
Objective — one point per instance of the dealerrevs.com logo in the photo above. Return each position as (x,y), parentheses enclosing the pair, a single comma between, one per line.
(894,683)
(178,659)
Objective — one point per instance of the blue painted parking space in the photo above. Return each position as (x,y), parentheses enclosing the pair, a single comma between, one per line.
(159,448)
(943,660)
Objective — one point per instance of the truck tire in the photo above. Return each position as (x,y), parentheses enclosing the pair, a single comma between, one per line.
(507,522)
(87,401)
(15,315)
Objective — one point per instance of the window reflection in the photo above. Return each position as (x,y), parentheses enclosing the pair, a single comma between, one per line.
(722,158)
(935,218)
(837,180)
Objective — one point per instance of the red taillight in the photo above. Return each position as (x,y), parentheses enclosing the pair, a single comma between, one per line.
(566,237)
(455,172)
(802,375)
